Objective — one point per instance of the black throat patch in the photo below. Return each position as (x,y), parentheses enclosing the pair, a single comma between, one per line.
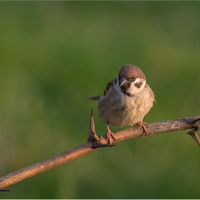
(124,89)
(128,94)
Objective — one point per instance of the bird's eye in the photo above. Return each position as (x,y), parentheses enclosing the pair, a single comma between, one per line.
(133,78)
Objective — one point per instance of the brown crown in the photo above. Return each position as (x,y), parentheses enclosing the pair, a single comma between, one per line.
(128,71)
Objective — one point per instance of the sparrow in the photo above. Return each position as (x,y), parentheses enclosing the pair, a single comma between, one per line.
(126,100)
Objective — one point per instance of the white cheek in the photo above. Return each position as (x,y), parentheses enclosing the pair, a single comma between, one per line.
(117,87)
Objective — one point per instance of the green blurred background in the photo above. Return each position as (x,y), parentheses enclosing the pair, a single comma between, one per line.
(54,54)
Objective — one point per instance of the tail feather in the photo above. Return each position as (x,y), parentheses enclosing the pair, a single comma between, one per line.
(93,98)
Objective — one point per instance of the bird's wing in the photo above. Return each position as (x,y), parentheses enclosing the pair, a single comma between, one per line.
(109,85)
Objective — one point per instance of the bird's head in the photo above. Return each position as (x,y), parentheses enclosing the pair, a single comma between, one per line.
(130,80)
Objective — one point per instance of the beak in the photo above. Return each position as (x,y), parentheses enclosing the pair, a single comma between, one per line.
(122,81)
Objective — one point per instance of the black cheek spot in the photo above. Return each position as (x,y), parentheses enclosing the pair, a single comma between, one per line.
(138,85)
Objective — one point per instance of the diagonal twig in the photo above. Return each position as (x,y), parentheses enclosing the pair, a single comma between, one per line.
(94,142)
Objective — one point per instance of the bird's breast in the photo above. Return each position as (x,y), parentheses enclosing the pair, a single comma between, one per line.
(122,110)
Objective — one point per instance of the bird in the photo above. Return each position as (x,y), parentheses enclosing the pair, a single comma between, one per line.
(125,101)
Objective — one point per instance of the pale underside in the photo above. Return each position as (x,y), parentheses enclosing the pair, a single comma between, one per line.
(121,110)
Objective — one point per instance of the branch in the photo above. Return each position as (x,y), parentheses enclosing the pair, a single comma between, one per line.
(95,142)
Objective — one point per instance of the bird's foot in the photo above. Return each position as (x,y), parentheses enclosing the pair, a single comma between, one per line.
(109,134)
(142,124)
